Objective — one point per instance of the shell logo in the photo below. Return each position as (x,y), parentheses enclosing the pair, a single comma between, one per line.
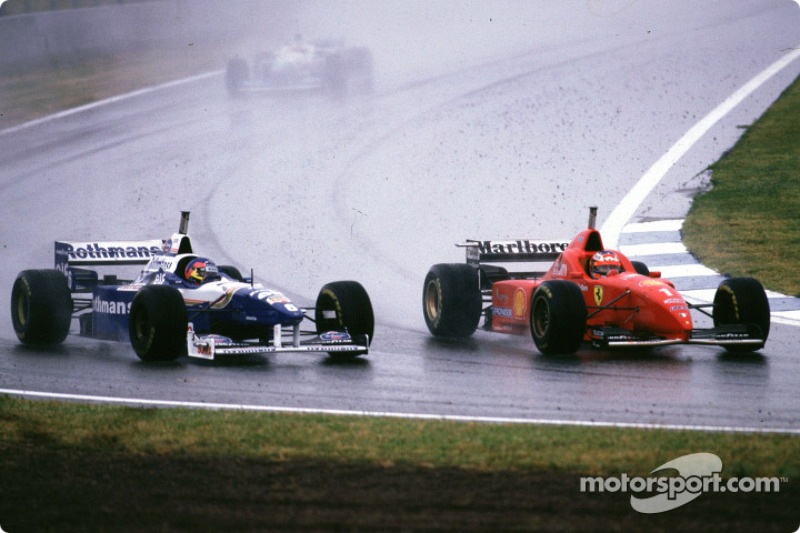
(520,303)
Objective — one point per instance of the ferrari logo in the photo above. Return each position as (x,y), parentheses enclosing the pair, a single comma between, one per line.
(598,294)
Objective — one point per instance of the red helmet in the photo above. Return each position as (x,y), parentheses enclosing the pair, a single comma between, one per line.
(604,262)
(200,270)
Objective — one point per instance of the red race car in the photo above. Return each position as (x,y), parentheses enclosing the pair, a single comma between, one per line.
(588,294)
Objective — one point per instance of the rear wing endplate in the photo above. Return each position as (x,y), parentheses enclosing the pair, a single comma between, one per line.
(521,258)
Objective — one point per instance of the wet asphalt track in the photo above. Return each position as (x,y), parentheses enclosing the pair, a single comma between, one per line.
(466,145)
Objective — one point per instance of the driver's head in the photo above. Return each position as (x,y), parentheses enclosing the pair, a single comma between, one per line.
(604,262)
(201,270)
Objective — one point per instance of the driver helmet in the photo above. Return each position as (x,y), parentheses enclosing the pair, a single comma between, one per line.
(201,270)
(603,263)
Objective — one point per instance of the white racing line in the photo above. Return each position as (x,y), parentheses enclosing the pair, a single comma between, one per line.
(137,402)
(614,227)
(663,243)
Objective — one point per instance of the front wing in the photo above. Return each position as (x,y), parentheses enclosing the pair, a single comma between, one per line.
(333,343)
(732,335)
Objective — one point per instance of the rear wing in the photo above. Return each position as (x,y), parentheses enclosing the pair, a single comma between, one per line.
(70,255)
(523,258)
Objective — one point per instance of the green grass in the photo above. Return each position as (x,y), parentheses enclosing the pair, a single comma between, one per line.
(384,441)
(77,467)
(64,84)
(748,224)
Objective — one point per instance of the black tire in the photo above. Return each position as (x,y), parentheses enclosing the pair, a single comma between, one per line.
(451,300)
(231,271)
(641,268)
(158,323)
(41,307)
(236,74)
(742,301)
(558,317)
(344,306)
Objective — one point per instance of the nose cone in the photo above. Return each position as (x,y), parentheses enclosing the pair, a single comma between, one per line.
(272,306)
(663,308)
(288,309)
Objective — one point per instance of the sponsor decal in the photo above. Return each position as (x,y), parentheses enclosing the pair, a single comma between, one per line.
(674,301)
(520,247)
(559,268)
(110,251)
(724,336)
(520,303)
(271,297)
(335,336)
(110,308)
(732,296)
(598,294)
(161,263)
(677,307)
(651,282)
(501,311)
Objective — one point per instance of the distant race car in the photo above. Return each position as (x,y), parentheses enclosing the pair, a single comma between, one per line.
(573,292)
(300,66)
(181,304)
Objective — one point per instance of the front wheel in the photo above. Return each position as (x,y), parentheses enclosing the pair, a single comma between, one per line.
(41,307)
(558,317)
(451,300)
(742,301)
(344,306)
(158,323)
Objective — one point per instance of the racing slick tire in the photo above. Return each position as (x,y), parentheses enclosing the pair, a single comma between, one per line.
(344,306)
(41,307)
(558,317)
(641,268)
(742,301)
(451,300)
(232,272)
(158,323)
(236,74)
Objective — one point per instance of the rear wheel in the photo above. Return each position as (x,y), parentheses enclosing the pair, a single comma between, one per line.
(451,300)
(558,317)
(345,306)
(742,301)
(158,323)
(641,268)
(41,307)
(232,272)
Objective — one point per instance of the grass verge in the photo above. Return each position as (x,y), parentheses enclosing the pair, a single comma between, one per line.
(748,223)
(62,84)
(132,469)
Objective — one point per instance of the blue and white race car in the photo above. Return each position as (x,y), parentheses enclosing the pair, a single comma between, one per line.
(326,67)
(181,304)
